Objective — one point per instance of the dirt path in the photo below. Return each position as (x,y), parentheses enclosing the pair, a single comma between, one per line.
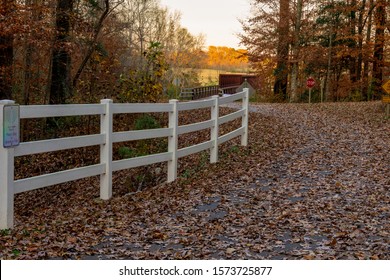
(332,190)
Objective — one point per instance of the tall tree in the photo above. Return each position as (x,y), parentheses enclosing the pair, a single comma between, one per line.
(366,58)
(105,10)
(330,53)
(6,49)
(281,71)
(360,39)
(32,60)
(379,59)
(146,22)
(295,52)
(352,42)
(61,85)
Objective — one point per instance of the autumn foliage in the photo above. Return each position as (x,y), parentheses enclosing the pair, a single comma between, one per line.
(220,57)
(339,43)
(78,51)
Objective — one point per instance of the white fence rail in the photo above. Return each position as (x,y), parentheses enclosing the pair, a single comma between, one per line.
(9,187)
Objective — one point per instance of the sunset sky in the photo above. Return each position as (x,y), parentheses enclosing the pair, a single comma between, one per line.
(217,19)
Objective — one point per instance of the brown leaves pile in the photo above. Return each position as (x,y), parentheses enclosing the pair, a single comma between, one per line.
(313,184)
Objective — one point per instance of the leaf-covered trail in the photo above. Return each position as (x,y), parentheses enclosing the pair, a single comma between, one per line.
(324,193)
(334,185)
(313,184)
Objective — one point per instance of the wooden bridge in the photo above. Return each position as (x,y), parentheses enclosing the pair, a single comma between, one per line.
(200,92)
(228,84)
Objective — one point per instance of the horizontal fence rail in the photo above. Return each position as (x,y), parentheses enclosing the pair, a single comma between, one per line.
(141,134)
(52,145)
(107,109)
(43,111)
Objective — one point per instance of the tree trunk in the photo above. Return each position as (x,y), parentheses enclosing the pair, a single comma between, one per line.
(29,51)
(380,25)
(6,51)
(61,87)
(360,41)
(295,51)
(329,69)
(366,82)
(93,43)
(281,71)
(352,45)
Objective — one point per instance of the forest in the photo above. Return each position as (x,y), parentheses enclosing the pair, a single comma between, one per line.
(312,184)
(80,51)
(342,44)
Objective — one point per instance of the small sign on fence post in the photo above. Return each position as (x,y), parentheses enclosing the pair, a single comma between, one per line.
(11,126)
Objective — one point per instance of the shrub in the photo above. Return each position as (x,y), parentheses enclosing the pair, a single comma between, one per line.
(146,122)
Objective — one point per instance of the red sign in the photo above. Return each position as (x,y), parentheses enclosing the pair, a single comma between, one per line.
(310,82)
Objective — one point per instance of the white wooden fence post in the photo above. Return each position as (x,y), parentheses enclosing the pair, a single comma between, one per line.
(106,127)
(6,177)
(214,130)
(172,140)
(245,118)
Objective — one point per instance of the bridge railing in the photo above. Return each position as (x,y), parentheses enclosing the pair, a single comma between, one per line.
(105,139)
(200,92)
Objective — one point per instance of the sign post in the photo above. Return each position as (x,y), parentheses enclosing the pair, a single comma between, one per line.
(386,87)
(310,83)
(386,98)
(11,126)
(9,138)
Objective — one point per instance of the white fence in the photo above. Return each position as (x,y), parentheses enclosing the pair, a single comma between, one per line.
(9,187)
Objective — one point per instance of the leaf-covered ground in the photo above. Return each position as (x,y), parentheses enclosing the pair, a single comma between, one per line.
(312,184)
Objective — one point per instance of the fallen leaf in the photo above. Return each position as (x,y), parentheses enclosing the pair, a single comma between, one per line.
(230,251)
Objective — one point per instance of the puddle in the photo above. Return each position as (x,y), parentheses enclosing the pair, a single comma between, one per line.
(265,188)
(162,248)
(207,207)
(296,199)
(225,239)
(217,215)
(211,206)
